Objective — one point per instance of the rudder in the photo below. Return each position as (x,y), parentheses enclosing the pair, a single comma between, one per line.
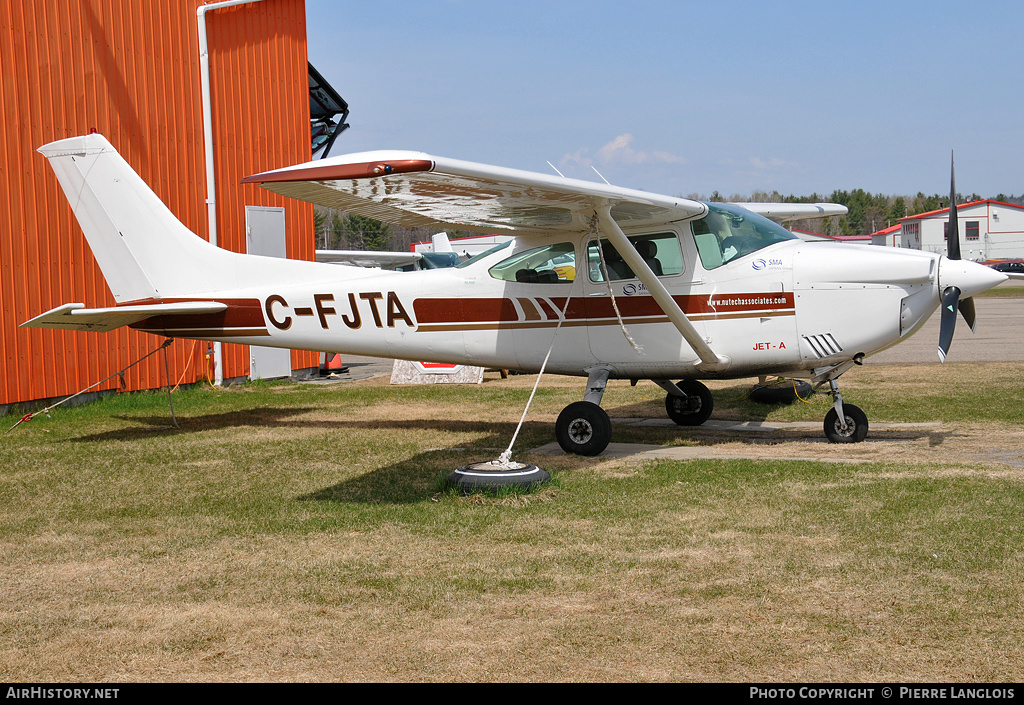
(143,250)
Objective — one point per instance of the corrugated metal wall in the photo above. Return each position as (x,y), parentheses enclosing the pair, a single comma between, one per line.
(130,70)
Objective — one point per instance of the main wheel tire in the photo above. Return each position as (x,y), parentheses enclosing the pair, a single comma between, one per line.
(856,425)
(583,428)
(695,408)
(781,392)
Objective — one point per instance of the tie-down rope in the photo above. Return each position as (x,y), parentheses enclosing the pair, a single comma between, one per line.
(611,292)
(29,416)
(505,459)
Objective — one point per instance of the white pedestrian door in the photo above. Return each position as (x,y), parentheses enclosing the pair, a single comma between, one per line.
(264,235)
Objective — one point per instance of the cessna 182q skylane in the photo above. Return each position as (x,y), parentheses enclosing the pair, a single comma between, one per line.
(606,282)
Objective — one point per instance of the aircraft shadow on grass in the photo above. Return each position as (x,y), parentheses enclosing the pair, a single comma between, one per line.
(498,432)
(413,479)
(407,481)
(283,417)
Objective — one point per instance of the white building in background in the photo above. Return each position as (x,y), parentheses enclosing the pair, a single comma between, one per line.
(988,230)
(889,237)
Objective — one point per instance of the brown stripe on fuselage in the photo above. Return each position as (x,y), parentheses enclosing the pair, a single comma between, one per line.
(207,333)
(638,320)
(546,308)
(493,313)
(241,318)
(529,310)
(464,310)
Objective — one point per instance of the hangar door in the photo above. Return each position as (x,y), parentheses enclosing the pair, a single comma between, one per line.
(264,235)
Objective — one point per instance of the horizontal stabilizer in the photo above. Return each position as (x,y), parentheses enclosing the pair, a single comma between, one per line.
(78,317)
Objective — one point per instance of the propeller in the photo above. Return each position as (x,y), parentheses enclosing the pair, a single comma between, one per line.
(951,302)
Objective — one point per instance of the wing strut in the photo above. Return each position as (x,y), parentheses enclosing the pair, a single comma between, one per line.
(709,360)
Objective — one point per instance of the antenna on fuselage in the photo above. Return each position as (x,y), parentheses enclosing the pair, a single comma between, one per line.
(556,170)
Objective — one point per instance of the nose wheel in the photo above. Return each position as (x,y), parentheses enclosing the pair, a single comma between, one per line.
(844,423)
(856,425)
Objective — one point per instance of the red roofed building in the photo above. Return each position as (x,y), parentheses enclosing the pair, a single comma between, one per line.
(887,236)
(988,230)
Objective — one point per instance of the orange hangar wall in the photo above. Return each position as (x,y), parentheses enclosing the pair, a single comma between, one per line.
(131,71)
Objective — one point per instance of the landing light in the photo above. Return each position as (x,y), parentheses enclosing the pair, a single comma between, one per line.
(383,169)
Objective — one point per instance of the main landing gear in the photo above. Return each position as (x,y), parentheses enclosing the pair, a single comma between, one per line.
(583,427)
(688,403)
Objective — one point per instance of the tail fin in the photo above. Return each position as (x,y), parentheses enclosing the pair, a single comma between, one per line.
(441,243)
(143,250)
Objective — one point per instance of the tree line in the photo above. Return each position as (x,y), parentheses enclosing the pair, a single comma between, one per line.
(340,230)
(868,213)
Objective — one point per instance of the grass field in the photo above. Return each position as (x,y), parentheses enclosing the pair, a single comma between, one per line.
(300,533)
(1010,290)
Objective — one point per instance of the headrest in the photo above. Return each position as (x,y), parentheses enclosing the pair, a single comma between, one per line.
(646,249)
(610,253)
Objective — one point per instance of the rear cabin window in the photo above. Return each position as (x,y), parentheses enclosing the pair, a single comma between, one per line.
(550,264)
(660,252)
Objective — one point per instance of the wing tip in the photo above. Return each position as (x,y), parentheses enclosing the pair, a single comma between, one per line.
(341,171)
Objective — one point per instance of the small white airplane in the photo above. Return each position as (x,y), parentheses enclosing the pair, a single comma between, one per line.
(442,255)
(600,281)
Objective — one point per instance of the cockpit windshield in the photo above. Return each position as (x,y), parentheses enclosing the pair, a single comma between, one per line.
(729,232)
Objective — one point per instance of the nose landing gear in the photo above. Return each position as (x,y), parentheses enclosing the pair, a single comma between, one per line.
(844,423)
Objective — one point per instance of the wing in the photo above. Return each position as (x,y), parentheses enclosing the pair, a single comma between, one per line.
(368,258)
(782,212)
(416,189)
(99,320)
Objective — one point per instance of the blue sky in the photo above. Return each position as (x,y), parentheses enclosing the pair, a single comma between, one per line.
(680,97)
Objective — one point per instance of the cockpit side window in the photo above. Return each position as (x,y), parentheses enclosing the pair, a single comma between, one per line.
(729,232)
(550,264)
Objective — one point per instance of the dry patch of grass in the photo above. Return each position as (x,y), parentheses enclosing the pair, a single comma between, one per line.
(292,533)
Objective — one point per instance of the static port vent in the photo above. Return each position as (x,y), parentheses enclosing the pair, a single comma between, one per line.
(823,345)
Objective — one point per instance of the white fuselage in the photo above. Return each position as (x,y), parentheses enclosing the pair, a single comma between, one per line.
(728,293)
(791,308)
